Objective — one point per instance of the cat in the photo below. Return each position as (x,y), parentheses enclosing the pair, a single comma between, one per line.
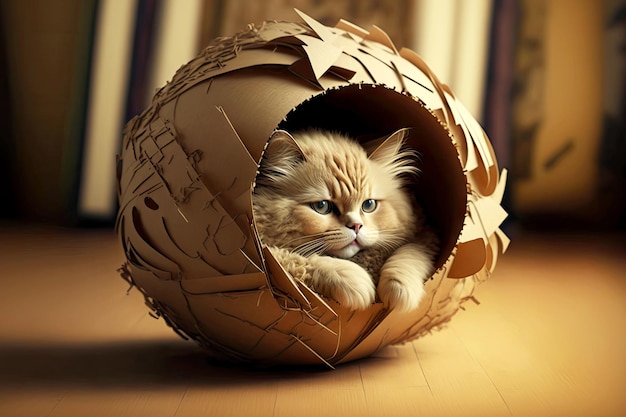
(342,222)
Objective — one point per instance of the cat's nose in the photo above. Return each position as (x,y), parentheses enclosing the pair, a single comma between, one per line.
(353,221)
(355,227)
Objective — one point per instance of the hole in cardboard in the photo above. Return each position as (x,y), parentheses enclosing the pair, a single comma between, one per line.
(150,203)
(368,112)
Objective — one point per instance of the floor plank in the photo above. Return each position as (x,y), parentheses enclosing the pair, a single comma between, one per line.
(119,403)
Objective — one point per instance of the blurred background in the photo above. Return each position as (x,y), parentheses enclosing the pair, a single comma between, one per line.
(546,79)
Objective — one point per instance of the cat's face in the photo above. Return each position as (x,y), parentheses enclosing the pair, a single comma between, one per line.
(333,198)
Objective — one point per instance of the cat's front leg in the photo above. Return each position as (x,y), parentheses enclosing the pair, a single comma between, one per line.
(339,279)
(342,280)
(401,283)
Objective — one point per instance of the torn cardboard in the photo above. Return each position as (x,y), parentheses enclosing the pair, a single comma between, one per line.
(188,165)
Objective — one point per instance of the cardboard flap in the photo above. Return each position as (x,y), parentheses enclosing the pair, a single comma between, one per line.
(320,55)
(469,156)
(352,29)
(283,284)
(224,284)
(325,33)
(470,257)
(270,31)
(487,215)
(379,36)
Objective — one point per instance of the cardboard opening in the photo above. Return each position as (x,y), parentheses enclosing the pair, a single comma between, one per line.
(367,112)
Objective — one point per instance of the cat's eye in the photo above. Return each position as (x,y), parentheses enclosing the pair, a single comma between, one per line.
(369,205)
(322,207)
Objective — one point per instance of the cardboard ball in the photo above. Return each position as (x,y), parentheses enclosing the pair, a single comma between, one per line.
(188,166)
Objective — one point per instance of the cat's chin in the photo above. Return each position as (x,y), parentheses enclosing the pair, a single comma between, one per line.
(347,251)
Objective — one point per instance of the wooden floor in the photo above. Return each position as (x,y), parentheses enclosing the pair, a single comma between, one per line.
(548,339)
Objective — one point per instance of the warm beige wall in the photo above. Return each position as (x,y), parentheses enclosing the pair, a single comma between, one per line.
(42,39)
(572,111)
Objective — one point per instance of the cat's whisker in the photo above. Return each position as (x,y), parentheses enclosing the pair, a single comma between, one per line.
(313,250)
(390,240)
(315,235)
(320,245)
(316,246)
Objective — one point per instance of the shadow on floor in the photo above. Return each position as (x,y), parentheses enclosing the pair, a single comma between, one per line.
(114,365)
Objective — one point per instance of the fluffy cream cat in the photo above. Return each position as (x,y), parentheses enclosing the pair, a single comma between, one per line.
(342,222)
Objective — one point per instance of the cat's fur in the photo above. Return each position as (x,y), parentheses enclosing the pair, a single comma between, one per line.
(351,253)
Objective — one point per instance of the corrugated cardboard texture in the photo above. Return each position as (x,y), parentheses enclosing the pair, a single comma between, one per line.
(189,162)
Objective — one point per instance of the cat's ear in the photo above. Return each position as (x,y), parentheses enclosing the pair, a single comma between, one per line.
(282,146)
(388,151)
(391,155)
(280,157)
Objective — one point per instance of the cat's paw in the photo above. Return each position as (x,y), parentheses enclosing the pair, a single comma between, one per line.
(343,281)
(402,277)
(397,295)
